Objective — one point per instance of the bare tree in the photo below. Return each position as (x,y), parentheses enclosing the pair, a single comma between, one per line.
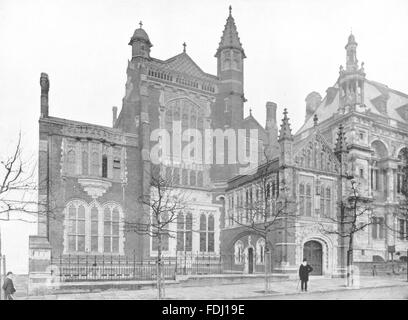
(18,189)
(269,210)
(160,211)
(355,215)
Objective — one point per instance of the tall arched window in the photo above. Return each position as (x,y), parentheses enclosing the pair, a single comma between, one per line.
(76,229)
(260,251)
(308,200)
(239,252)
(302,199)
(71,162)
(203,233)
(211,245)
(94,229)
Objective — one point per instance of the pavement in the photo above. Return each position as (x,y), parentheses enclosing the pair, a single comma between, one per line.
(288,289)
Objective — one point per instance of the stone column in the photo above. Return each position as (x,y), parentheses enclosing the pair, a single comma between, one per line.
(39,266)
(390,183)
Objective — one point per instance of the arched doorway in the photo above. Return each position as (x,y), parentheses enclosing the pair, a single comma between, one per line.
(250,260)
(313,252)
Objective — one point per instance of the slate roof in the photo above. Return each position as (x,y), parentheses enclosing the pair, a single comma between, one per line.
(396,106)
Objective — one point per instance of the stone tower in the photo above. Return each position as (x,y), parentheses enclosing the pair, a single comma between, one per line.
(229,106)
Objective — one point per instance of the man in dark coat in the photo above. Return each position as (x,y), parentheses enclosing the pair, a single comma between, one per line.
(8,286)
(304,271)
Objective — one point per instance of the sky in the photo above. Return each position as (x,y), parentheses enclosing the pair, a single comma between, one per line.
(293,47)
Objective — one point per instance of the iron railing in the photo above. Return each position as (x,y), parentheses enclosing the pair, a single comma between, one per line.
(71,268)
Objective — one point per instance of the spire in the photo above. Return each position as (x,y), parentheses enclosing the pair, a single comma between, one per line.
(285,131)
(230,38)
(341,145)
(351,56)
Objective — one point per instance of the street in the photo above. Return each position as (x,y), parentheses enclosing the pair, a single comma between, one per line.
(388,293)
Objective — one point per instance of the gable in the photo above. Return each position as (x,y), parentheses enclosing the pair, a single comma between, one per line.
(314,153)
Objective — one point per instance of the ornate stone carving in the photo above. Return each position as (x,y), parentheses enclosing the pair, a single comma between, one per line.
(94,187)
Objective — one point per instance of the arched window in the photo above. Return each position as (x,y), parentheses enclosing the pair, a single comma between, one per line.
(322,202)
(95,164)
(260,251)
(239,252)
(76,229)
(94,229)
(71,162)
(308,200)
(302,199)
(210,237)
(203,233)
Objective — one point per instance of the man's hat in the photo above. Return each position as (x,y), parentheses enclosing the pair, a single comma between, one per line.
(304,259)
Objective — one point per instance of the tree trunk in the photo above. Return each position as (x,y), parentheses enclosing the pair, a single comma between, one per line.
(159,268)
(266,266)
(350,276)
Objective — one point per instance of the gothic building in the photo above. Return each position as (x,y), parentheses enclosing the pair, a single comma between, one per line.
(91,177)
(360,130)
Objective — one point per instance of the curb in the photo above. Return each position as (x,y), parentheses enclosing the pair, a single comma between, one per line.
(321,291)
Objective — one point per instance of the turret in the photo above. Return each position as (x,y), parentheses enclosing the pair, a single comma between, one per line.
(140,43)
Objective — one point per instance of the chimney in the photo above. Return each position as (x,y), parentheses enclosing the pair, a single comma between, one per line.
(45,87)
(270,113)
(114,115)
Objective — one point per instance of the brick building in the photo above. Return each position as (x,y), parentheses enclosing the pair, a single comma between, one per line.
(92,176)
